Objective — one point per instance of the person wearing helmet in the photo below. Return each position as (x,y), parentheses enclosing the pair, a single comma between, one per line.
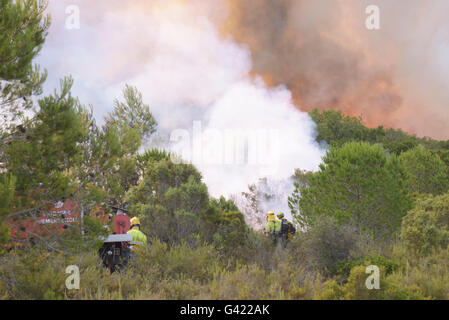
(139,238)
(287,229)
(270,229)
(277,229)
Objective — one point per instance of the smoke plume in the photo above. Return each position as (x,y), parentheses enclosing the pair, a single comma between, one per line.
(396,76)
(257,65)
(188,73)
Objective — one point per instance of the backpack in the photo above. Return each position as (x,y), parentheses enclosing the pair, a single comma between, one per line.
(285,226)
(292,229)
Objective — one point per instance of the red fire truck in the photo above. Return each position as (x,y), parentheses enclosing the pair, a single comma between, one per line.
(55,218)
(58,216)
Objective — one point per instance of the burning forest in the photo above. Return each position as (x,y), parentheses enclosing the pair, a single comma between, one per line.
(224,149)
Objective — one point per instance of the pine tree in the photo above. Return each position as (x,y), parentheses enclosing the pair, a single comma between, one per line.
(23,28)
(358,184)
(427,172)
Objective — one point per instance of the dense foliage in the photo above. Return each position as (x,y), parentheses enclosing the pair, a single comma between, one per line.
(426,226)
(428,173)
(336,129)
(357,184)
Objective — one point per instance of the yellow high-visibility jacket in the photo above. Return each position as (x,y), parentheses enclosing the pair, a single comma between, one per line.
(277,226)
(138,237)
(271,226)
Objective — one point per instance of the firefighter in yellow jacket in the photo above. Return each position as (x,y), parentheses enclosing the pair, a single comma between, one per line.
(139,238)
(273,228)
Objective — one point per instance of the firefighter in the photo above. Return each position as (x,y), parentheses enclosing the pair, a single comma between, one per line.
(139,238)
(270,229)
(287,229)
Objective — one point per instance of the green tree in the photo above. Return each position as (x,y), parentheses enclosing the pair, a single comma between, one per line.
(42,160)
(300,178)
(174,205)
(397,141)
(169,200)
(132,114)
(337,129)
(223,204)
(64,154)
(357,184)
(23,28)
(7,187)
(443,154)
(225,225)
(428,173)
(116,144)
(39,147)
(231,231)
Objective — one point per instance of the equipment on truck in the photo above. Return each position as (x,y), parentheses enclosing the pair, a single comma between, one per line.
(116,250)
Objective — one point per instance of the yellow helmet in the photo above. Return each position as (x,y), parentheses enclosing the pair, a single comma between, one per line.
(135,221)
(280,215)
(270,216)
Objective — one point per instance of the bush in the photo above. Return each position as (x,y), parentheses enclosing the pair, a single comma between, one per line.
(326,245)
(179,261)
(36,273)
(390,288)
(344,268)
(165,271)
(426,226)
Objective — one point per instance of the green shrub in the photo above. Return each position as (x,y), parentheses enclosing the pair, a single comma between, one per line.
(246,282)
(426,226)
(344,268)
(179,261)
(390,288)
(326,244)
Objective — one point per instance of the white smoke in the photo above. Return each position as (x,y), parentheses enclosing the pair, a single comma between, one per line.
(286,140)
(187,72)
(263,196)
